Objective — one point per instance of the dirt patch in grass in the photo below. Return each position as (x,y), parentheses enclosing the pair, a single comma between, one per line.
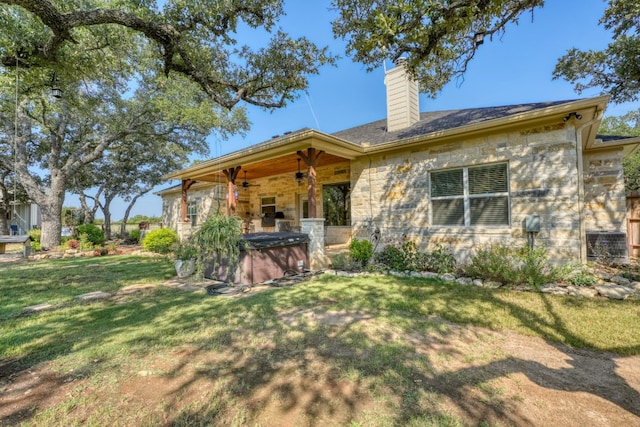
(322,367)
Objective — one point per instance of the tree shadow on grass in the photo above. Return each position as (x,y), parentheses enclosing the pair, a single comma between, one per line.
(331,349)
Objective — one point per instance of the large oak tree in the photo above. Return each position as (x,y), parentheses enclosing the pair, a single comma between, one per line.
(96,50)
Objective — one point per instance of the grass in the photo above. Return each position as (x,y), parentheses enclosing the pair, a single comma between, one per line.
(331,330)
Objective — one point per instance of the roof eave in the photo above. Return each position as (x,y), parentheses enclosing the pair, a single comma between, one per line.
(516,120)
(281,146)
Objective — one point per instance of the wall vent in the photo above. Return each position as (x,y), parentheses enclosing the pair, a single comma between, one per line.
(613,242)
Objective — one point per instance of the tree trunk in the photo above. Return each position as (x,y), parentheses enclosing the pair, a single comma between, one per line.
(89,212)
(51,208)
(4,209)
(106,211)
(107,221)
(127,212)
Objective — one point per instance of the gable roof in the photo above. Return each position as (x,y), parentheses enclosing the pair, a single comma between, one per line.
(437,121)
(278,154)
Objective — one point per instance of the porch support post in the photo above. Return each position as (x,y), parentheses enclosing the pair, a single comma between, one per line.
(311,160)
(313,226)
(231,175)
(186,184)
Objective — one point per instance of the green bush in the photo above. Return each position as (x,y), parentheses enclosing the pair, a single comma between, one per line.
(134,236)
(535,269)
(494,262)
(440,261)
(160,241)
(344,262)
(361,251)
(392,258)
(217,243)
(185,250)
(34,236)
(512,266)
(93,232)
(405,257)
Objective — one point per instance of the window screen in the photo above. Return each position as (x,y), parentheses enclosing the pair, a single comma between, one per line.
(475,196)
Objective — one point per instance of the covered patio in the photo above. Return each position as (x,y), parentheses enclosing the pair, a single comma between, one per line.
(275,186)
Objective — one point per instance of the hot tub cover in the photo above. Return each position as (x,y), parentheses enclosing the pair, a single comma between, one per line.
(271,240)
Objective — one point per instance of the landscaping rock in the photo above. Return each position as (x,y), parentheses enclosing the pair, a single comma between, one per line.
(464,280)
(614,291)
(424,274)
(38,308)
(619,280)
(554,290)
(97,295)
(448,277)
(491,284)
(477,282)
(580,291)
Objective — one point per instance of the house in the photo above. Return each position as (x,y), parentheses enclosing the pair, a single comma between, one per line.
(513,175)
(22,217)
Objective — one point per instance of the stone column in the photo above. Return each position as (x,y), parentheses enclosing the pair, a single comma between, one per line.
(314,227)
(184,229)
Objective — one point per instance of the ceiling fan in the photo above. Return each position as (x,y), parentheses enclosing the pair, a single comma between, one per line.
(245,183)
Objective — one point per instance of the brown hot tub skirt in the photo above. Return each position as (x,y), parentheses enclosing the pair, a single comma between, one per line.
(266,256)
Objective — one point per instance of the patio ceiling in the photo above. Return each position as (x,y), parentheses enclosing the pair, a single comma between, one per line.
(287,163)
(274,157)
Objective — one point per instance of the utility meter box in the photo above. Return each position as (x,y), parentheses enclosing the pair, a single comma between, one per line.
(532,223)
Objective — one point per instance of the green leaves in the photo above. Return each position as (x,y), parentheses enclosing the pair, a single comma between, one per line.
(196,40)
(616,69)
(436,37)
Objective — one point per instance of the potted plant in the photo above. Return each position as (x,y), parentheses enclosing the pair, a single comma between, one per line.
(217,245)
(184,258)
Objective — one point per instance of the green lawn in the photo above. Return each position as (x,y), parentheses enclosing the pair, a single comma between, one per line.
(114,336)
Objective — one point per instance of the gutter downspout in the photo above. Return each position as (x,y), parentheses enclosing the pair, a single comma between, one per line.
(580,169)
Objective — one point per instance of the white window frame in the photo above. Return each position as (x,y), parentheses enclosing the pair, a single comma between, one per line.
(264,205)
(466,197)
(192,210)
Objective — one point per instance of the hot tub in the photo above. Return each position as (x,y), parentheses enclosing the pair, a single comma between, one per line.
(266,256)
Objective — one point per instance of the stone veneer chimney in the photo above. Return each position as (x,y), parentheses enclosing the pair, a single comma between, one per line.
(403,109)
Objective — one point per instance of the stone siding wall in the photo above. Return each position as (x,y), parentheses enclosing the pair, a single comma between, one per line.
(391,191)
(605,199)
(288,193)
(207,196)
(284,187)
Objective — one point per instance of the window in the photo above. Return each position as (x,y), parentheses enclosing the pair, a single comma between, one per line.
(268,211)
(471,196)
(192,211)
(336,202)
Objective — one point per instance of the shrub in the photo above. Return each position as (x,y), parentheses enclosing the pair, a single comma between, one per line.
(160,241)
(512,266)
(93,232)
(582,278)
(392,258)
(85,243)
(34,236)
(494,263)
(185,251)
(361,251)
(217,241)
(73,243)
(440,261)
(344,262)
(134,236)
(534,268)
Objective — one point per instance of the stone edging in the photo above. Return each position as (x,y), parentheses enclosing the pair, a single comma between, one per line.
(612,287)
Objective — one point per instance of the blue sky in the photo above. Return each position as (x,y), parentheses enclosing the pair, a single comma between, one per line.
(513,69)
